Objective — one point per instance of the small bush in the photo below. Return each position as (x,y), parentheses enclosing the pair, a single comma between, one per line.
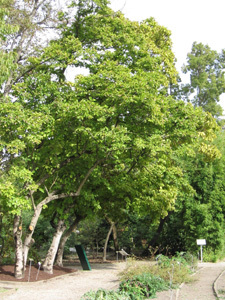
(210,256)
(143,286)
(135,267)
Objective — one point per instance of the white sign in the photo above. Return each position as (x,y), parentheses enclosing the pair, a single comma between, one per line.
(201,242)
(72,250)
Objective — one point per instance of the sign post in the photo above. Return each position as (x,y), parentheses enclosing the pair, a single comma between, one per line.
(201,243)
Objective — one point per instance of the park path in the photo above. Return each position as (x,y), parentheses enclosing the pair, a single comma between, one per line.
(67,287)
(209,278)
(206,283)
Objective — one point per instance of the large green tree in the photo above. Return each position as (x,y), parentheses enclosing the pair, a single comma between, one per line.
(117,119)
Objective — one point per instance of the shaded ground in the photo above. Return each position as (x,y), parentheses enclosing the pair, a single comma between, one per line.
(69,287)
(72,286)
(31,274)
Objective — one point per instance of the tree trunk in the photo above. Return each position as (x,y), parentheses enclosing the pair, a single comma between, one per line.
(115,238)
(1,238)
(50,257)
(17,232)
(106,241)
(66,235)
(153,241)
(28,242)
(51,197)
(114,230)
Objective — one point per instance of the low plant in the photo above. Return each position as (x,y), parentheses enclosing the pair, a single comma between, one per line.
(210,255)
(102,294)
(143,286)
(141,280)
(177,267)
(135,267)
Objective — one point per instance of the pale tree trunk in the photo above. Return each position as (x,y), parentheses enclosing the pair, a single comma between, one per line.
(66,235)
(28,242)
(106,241)
(50,257)
(17,232)
(114,231)
(37,210)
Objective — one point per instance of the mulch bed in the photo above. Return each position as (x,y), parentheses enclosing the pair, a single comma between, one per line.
(7,273)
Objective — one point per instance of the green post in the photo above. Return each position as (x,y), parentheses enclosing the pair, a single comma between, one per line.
(83,257)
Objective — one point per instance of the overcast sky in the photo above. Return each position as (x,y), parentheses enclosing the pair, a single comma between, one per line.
(189,21)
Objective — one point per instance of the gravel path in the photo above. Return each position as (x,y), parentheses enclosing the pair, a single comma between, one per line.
(209,278)
(67,287)
(206,282)
(220,286)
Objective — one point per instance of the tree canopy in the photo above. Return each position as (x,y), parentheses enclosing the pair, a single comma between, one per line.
(113,133)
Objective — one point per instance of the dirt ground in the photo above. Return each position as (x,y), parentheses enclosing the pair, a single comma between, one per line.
(207,285)
(32,273)
(70,286)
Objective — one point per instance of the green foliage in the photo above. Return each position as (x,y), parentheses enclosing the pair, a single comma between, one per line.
(21,25)
(142,280)
(213,255)
(106,295)
(201,214)
(143,286)
(206,69)
(111,139)
(6,29)
(178,268)
(139,287)
(42,235)
(7,241)
(92,233)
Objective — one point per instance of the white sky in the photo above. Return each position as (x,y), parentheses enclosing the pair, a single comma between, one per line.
(189,21)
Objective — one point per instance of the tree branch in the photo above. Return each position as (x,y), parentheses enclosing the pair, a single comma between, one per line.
(52,195)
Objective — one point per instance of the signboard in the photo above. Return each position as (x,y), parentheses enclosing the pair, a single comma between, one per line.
(201,242)
(72,250)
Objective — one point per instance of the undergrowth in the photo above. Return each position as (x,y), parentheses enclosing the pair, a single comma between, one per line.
(141,280)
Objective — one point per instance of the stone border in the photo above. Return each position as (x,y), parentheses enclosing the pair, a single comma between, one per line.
(215,290)
(214,286)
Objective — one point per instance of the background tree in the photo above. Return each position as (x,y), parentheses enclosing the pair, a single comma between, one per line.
(201,213)
(207,82)
(6,58)
(32,22)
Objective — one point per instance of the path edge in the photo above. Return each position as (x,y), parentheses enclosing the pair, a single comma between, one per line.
(215,290)
(183,283)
